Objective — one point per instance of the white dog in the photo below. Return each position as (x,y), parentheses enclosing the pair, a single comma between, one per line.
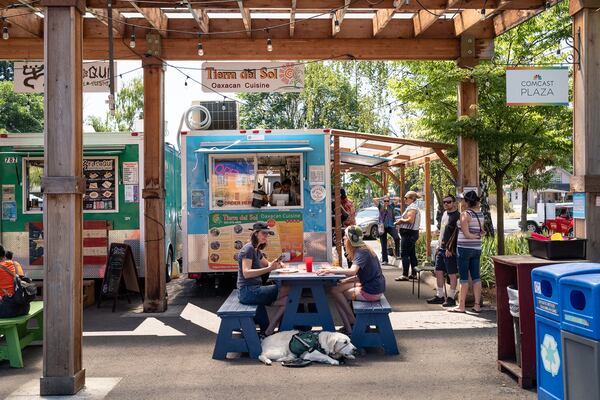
(325,347)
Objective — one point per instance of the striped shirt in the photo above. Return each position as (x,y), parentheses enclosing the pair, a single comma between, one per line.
(416,223)
(475,228)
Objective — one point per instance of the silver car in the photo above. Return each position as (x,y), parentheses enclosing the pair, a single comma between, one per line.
(367,219)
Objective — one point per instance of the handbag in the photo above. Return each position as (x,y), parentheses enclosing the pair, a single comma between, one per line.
(452,241)
(380,228)
(25,289)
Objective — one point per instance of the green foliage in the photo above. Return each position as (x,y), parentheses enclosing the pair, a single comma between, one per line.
(20,112)
(129,107)
(6,71)
(514,245)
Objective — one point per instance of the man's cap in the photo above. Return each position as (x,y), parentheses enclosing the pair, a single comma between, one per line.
(262,226)
(355,235)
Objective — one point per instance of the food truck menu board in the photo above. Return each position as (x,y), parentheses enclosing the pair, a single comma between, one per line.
(229,232)
(101,177)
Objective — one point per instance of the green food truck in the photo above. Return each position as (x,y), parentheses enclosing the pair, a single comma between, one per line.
(113,167)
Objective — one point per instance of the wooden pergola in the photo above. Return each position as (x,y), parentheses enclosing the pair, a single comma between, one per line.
(388,152)
(64,32)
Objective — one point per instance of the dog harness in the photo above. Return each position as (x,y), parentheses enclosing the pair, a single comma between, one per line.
(303,342)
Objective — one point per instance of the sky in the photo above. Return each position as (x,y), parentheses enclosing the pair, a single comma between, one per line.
(178,97)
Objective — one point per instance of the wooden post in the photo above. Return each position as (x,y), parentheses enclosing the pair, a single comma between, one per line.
(63,187)
(427,190)
(385,180)
(154,186)
(402,186)
(586,121)
(468,150)
(336,195)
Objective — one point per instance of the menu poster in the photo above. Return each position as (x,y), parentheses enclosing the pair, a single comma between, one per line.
(101,177)
(130,173)
(229,232)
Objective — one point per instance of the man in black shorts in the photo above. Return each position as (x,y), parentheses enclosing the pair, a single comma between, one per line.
(445,260)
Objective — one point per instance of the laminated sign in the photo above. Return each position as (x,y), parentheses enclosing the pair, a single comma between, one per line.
(29,77)
(535,86)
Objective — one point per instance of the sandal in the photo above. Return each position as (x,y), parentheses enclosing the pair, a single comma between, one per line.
(401,278)
(475,310)
(456,310)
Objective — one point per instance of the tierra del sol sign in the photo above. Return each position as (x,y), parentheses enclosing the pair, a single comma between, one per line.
(235,77)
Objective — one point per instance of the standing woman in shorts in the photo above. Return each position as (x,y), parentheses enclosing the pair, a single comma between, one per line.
(365,281)
(252,266)
(468,250)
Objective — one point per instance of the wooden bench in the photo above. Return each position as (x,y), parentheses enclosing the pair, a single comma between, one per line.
(17,335)
(376,314)
(236,316)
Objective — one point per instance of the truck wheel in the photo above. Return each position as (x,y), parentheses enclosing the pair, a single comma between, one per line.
(532,227)
(374,233)
(169,265)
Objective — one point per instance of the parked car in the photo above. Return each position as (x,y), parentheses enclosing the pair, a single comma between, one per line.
(561,222)
(367,219)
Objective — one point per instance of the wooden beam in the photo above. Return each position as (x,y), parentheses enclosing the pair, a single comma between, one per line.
(153,191)
(254,49)
(390,139)
(468,150)
(577,5)
(30,23)
(62,370)
(468,21)
(449,164)
(375,146)
(155,17)
(119,22)
(337,201)
(339,16)
(415,162)
(424,19)
(245,17)
(292,18)
(200,16)
(375,181)
(427,190)
(394,177)
(385,180)
(381,19)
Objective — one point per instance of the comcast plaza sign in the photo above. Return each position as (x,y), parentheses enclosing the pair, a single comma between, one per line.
(535,86)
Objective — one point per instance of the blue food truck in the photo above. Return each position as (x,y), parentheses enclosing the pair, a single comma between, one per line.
(232,179)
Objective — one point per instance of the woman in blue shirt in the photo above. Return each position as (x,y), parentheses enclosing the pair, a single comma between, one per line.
(365,281)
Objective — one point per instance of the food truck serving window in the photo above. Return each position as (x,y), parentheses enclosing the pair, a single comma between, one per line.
(101,191)
(253,181)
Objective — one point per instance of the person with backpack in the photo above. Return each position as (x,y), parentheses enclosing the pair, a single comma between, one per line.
(468,250)
(9,305)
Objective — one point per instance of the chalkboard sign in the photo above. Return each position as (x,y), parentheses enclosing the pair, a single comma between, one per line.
(120,277)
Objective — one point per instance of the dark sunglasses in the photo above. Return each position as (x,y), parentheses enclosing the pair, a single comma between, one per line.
(448,201)
(386,201)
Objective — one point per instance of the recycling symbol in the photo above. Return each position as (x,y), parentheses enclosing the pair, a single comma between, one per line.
(549,354)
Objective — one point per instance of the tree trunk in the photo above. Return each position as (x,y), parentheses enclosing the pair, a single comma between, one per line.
(524,201)
(485,207)
(499,180)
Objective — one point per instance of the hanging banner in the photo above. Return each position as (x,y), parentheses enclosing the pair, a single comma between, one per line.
(235,77)
(29,77)
(535,86)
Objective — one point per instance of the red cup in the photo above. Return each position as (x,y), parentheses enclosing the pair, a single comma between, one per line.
(308,261)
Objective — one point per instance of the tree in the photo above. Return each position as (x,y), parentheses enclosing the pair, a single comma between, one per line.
(507,136)
(6,71)
(20,112)
(129,107)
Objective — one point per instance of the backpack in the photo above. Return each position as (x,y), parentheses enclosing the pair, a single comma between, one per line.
(25,289)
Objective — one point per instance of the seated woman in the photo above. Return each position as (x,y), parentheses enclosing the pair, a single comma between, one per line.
(252,265)
(8,308)
(365,280)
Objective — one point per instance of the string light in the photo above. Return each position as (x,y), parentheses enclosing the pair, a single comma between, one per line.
(483,14)
(406,2)
(186,79)
(336,25)
(269,42)
(223,105)
(5,34)
(396,3)
(200,47)
(558,52)
(132,39)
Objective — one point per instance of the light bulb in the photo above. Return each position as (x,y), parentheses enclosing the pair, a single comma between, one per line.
(269,45)
(5,34)
(336,24)
(223,107)
(200,49)
(406,2)
(482,14)
(132,41)
(396,3)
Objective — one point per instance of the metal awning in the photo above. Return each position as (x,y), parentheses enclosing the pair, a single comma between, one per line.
(362,160)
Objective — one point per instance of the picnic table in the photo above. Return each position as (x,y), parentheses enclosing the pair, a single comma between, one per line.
(17,334)
(297,282)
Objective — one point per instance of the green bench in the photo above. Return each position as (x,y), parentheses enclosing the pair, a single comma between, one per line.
(17,335)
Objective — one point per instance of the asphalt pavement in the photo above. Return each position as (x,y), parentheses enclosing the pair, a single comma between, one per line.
(169,356)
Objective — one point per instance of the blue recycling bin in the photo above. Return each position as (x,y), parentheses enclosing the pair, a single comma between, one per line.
(580,305)
(546,299)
